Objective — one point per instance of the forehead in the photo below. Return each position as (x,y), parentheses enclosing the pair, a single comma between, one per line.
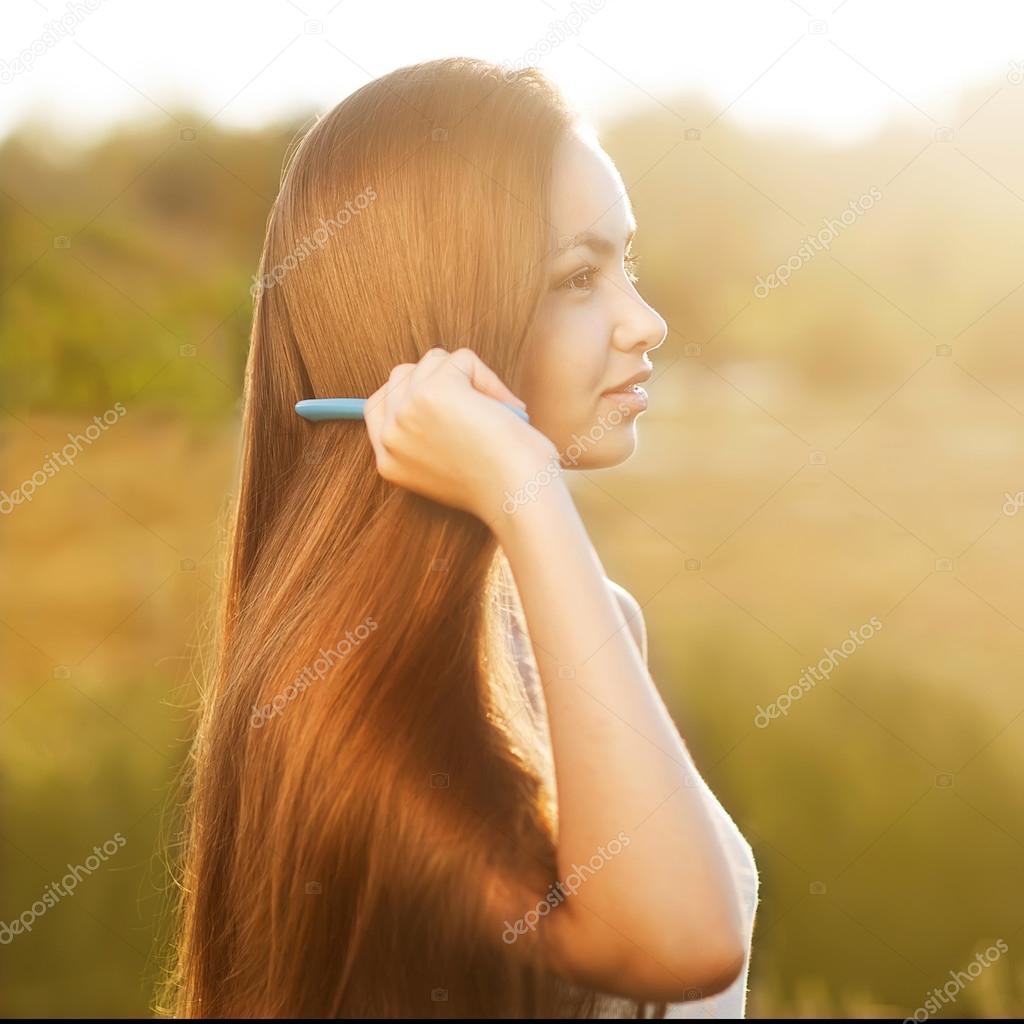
(587,192)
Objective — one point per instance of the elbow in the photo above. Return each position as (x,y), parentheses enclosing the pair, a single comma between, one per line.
(710,974)
(675,971)
(688,971)
(703,953)
(654,963)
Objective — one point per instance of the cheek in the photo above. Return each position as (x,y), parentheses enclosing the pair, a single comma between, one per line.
(585,429)
(568,361)
(561,402)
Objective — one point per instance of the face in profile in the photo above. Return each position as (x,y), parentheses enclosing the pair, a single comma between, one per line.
(594,331)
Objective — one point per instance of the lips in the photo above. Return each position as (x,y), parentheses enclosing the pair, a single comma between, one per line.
(630,383)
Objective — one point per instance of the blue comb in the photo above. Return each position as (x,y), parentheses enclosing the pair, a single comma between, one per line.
(353,408)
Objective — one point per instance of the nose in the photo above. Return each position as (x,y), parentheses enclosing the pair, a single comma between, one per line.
(641,328)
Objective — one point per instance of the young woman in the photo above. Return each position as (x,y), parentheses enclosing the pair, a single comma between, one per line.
(433,776)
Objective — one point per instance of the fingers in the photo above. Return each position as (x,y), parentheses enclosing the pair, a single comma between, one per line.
(380,406)
(482,377)
(429,363)
(400,376)
(384,403)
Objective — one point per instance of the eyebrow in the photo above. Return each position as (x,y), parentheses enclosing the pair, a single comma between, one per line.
(593,241)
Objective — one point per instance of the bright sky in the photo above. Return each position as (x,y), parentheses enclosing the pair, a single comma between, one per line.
(836,68)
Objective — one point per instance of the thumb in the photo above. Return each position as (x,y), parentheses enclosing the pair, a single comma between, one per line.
(483,378)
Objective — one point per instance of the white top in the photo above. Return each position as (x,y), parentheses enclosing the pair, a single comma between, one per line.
(729,1004)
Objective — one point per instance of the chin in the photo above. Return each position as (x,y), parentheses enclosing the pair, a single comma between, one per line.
(582,450)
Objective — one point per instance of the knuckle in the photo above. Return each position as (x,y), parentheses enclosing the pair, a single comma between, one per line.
(390,435)
(405,416)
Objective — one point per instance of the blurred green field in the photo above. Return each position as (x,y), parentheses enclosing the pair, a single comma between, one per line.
(810,460)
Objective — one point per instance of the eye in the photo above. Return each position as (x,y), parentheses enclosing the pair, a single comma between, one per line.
(581,280)
(585,274)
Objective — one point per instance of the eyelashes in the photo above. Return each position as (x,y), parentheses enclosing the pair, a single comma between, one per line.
(630,262)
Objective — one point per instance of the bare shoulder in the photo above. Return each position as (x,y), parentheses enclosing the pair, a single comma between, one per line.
(633,612)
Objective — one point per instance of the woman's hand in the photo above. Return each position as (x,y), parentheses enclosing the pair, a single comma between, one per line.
(439,428)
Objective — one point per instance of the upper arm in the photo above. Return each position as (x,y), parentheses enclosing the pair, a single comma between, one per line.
(634,615)
(589,950)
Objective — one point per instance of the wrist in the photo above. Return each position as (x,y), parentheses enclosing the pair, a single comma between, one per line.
(529,478)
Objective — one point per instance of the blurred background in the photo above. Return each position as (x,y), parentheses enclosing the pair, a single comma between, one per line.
(830,200)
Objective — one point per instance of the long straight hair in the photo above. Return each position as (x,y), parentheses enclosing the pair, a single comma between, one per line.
(365,794)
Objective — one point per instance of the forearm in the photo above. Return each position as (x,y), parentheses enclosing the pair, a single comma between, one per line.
(622,770)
